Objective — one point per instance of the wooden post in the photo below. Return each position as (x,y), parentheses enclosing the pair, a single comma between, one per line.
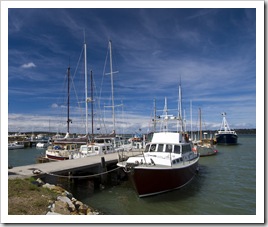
(103,170)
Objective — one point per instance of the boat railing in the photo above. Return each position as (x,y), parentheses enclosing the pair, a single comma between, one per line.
(223,132)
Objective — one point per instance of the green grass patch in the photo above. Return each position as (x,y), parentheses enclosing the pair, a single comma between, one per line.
(25,198)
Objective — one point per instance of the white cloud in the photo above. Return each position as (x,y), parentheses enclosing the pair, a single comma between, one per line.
(28,65)
(54,105)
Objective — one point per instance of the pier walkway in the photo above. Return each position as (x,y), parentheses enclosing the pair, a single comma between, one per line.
(62,167)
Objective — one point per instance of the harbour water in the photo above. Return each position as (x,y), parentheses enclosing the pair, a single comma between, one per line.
(225,185)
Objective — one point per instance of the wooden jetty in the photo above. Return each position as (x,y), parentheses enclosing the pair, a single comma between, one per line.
(93,163)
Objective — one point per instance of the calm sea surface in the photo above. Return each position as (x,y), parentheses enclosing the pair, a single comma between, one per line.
(225,185)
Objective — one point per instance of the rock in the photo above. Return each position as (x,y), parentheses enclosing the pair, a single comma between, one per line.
(66,200)
(61,208)
(66,204)
(67,194)
(83,209)
(55,188)
(77,204)
(40,181)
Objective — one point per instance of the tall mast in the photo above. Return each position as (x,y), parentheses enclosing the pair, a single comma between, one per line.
(166,115)
(86,98)
(154,115)
(112,82)
(179,109)
(92,121)
(68,102)
(200,123)
(225,123)
(191,119)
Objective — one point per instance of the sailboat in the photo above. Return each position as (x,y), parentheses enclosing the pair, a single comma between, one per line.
(105,143)
(168,162)
(68,148)
(204,147)
(226,136)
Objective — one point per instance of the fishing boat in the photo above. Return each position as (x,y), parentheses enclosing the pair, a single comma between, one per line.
(225,136)
(15,145)
(167,163)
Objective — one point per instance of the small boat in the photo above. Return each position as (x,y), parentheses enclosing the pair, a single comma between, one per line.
(204,147)
(225,136)
(63,151)
(167,163)
(15,145)
(41,145)
(206,150)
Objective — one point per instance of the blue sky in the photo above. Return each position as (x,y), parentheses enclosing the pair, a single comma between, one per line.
(212,51)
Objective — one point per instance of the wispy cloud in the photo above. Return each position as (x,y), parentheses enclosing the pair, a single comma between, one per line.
(153,50)
(28,65)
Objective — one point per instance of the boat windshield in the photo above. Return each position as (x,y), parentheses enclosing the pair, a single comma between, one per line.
(160,148)
(169,148)
(152,148)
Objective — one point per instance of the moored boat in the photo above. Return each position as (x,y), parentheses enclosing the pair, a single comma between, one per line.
(206,150)
(225,136)
(63,152)
(167,162)
(15,145)
(204,147)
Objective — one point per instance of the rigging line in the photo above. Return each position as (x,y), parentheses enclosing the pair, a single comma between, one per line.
(80,177)
(102,80)
(72,79)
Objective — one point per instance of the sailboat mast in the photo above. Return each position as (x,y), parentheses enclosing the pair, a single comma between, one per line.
(154,115)
(191,119)
(86,98)
(179,109)
(92,116)
(68,102)
(112,82)
(200,119)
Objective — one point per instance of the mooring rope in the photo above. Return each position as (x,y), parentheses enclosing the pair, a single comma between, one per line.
(70,176)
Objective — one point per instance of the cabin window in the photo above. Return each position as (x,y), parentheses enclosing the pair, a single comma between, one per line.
(177,149)
(160,147)
(147,148)
(186,148)
(153,147)
(96,148)
(89,148)
(168,148)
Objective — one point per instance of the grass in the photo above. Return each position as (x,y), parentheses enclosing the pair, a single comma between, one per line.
(25,198)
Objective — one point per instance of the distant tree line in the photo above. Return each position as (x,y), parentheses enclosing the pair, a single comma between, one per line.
(212,132)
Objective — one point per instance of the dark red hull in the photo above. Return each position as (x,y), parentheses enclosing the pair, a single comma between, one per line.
(150,181)
(59,158)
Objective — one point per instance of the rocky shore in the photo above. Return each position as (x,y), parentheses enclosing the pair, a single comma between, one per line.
(65,204)
(34,197)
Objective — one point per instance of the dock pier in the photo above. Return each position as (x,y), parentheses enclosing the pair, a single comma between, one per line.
(97,164)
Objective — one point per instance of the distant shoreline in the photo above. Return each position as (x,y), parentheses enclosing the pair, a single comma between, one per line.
(238,131)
